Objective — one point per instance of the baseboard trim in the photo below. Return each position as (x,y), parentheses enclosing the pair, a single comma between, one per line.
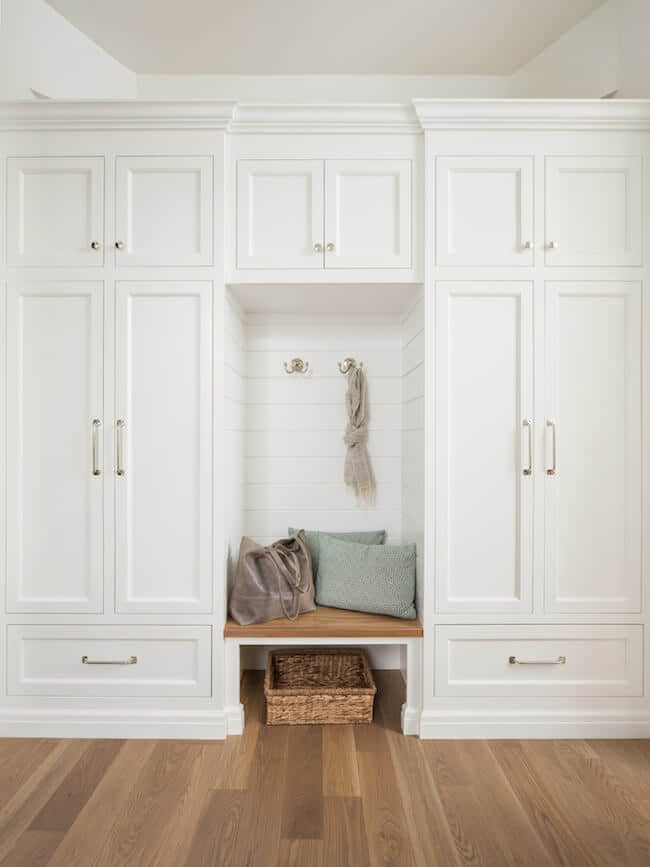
(40,723)
(234,717)
(410,720)
(449,727)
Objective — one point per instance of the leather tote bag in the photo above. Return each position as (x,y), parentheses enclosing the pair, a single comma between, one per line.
(272,582)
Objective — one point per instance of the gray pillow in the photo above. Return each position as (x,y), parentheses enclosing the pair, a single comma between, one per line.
(377,579)
(313,537)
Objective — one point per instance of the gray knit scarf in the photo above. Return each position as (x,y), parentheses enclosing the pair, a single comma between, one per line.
(358,471)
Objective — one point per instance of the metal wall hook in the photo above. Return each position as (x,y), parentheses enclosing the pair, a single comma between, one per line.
(349,364)
(296,365)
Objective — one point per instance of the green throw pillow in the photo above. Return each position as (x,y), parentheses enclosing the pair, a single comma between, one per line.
(377,579)
(313,537)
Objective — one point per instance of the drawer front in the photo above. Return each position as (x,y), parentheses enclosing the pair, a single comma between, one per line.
(599,661)
(109,660)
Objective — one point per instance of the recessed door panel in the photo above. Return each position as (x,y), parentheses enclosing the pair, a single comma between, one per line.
(594,211)
(164,210)
(280,213)
(55,209)
(484,446)
(163,446)
(485,210)
(54,439)
(368,214)
(593,447)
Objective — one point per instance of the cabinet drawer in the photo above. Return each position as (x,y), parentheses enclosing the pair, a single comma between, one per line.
(109,660)
(600,661)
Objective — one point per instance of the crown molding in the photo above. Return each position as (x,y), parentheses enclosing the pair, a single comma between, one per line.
(553,114)
(324,118)
(109,114)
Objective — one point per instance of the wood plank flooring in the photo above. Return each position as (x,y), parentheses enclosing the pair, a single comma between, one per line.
(323,796)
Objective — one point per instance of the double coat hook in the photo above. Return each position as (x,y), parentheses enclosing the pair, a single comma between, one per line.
(349,364)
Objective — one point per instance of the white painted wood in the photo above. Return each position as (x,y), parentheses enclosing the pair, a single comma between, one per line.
(600,660)
(47,660)
(594,210)
(280,213)
(54,391)
(163,395)
(593,502)
(484,500)
(368,213)
(55,208)
(164,210)
(485,210)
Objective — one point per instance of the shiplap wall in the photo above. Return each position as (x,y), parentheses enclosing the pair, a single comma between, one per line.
(413,435)
(234,425)
(294,448)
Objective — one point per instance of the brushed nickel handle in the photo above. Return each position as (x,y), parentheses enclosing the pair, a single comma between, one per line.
(553,468)
(96,426)
(552,245)
(119,446)
(527,245)
(95,245)
(318,248)
(561,660)
(132,660)
(330,247)
(119,245)
(528,470)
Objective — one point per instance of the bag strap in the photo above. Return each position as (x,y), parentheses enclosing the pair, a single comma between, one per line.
(278,565)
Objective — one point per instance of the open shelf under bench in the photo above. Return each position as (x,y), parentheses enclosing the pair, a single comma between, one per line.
(327,627)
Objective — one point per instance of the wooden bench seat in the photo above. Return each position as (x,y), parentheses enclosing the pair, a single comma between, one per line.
(328,623)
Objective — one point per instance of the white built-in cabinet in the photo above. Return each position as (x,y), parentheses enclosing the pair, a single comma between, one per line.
(315,214)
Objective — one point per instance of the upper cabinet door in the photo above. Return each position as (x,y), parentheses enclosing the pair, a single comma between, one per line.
(280,213)
(593,447)
(593,211)
(54,447)
(368,213)
(485,211)
(484,447)
(163,445)
(164,211)
(55,208)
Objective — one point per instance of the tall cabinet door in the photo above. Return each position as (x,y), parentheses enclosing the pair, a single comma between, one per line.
(593,447)
(280,213)
(54,437)
(484,445)
(368,213)
(163,459)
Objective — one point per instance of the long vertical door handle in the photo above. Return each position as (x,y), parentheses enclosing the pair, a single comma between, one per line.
(119,446)
(553,468)
(96,426)
(528,423)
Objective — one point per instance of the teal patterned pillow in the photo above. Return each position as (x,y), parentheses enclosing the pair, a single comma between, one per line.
(377,579)
(313,537)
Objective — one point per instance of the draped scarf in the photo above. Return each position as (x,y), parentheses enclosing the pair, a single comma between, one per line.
(358,472)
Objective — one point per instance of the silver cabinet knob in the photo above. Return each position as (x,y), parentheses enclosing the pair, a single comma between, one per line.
(330,248)
(95,245)
(119,245)
(527,245)
(552,245)
(318,248)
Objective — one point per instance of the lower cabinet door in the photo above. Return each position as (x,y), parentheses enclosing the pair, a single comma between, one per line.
(164,661)
(598,661)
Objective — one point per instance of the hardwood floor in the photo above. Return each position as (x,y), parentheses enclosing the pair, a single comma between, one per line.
(324,796)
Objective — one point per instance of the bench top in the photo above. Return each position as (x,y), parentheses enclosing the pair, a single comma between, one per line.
(328,623)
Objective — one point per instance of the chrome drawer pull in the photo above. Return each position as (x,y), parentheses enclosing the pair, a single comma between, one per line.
(553,468)
(561,660)
(132,660)
(119,428)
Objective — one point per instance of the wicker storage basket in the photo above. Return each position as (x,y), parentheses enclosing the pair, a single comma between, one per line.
(318,686)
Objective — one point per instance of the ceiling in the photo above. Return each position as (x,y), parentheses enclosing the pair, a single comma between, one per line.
(481,37)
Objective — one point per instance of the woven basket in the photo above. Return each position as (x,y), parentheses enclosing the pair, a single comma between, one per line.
(318,686)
